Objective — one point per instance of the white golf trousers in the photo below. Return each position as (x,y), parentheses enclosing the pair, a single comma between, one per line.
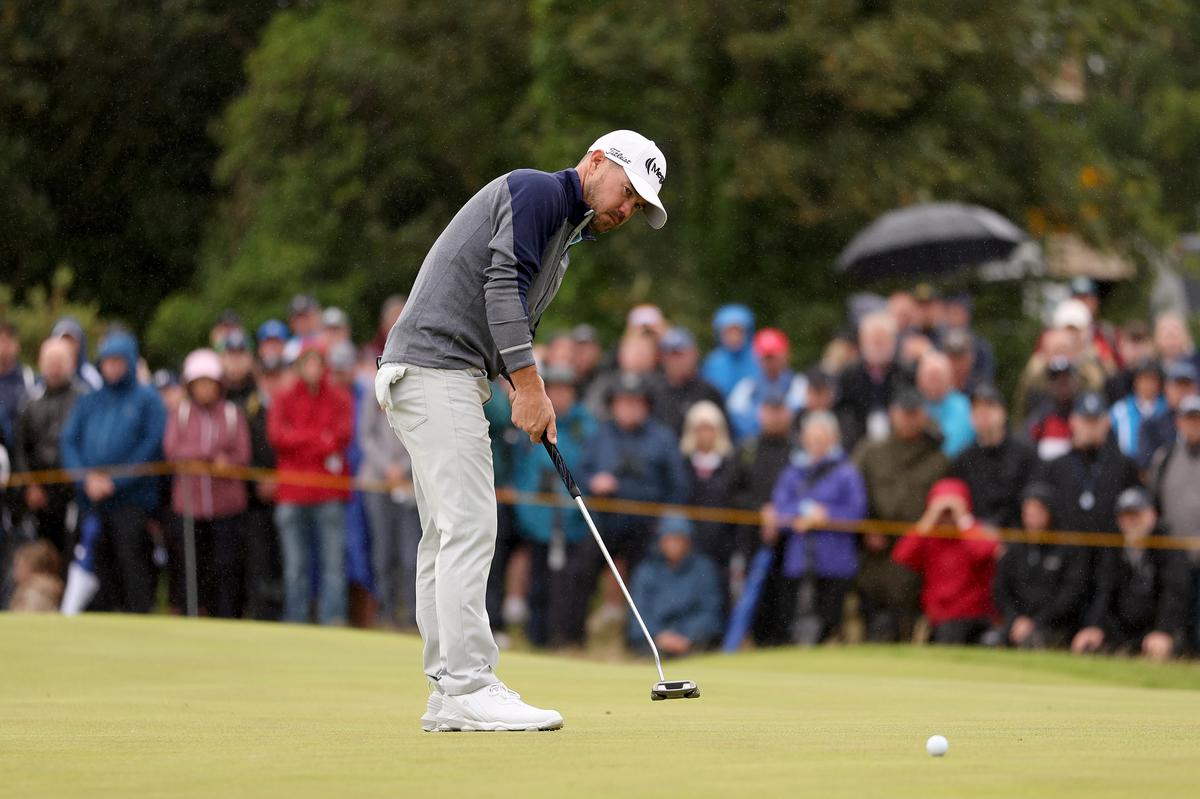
(438,414)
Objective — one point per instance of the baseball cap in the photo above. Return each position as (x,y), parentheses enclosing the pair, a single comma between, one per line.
(273,328)
(1059,365)
(628,383)
(585,334)
(342,356)
(558,375)
(644,165)
(164,378)
(925,292)
(907,399)
(1134,499)
(230,317)
(1083,286)
(956,341)
(1190,405)
(1091,405)
(1072,313)
(1148,366)
(673,524)
(986,392)
(1181,371)
(770,341)
(1043,492)
(677,339)
(334,317)
(644,316)
(303,303)
(235,340)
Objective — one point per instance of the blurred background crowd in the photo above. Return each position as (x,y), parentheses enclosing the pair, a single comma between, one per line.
(900,419)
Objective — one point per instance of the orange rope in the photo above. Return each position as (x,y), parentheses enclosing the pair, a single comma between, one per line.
(510,496)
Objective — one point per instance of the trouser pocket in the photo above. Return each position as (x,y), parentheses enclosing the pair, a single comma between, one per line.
(400,392)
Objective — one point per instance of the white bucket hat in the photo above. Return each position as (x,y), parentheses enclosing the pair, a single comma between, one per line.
(644,165)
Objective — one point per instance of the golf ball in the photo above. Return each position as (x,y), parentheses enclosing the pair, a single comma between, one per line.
(937,745)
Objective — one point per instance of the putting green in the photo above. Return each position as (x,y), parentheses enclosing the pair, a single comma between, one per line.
(119,706)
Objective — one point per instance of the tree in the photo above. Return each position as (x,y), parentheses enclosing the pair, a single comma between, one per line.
(105,159)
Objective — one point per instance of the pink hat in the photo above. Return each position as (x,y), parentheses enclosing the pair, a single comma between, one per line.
(200,364)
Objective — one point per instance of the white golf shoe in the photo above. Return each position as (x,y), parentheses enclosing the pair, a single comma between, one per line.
(494,708)
(433,708)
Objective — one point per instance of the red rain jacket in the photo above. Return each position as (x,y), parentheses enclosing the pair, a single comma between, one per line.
(310,432)
(956,573)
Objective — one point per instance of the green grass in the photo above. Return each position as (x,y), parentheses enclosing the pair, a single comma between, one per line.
(119,706)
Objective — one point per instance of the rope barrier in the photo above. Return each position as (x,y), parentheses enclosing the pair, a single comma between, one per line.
(627,507)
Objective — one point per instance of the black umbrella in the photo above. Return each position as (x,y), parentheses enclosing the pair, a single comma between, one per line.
(933,238)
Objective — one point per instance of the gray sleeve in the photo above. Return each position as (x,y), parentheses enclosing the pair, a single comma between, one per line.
(506,281)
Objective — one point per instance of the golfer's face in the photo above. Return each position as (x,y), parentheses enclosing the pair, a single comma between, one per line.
(613,198)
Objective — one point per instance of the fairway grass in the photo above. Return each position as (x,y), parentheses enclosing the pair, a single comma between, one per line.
(103,705)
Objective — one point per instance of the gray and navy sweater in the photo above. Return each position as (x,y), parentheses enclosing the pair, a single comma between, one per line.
(488,278)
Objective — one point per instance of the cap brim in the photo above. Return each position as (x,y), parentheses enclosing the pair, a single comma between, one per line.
(656,215)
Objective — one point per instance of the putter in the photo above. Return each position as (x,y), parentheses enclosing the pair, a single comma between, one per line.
(664,688)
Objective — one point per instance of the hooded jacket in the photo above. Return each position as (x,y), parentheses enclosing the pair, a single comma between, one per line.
(121,423)
(724,368)
(957,573)
(84,370)
(310,432)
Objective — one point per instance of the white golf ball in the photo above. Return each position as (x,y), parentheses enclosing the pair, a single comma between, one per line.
(937,745)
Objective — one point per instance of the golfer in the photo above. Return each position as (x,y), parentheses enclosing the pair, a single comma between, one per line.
(471,316)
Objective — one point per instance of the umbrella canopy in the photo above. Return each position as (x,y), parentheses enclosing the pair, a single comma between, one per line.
(933,238)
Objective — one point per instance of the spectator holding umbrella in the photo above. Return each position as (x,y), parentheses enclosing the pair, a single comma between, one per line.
(1142,595)
(1040,588)
(121,423)
(956,572)
(210,429)
(310,425)
(865,389)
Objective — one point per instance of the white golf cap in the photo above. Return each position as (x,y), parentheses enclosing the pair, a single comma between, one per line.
(644,165)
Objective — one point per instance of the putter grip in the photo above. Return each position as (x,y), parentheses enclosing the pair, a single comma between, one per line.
(561,466)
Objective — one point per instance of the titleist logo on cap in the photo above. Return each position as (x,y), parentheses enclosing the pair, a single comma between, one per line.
(620,156)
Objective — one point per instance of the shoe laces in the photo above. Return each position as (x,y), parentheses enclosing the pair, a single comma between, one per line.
(503,692)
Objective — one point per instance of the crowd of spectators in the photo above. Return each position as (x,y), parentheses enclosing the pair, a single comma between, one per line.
(899,420)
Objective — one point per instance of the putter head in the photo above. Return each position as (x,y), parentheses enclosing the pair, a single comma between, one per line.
(674,689)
